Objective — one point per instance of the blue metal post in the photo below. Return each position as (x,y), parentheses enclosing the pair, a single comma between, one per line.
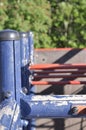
(17,69)
(10,80)
(9,64)
(31,61)
(31,48)
(24,62)
(26,57)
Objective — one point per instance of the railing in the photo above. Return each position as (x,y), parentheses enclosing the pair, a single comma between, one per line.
(18,75)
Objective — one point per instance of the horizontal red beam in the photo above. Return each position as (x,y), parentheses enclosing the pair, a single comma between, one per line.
(59,76)
(56,66)
(59,49)
(60,71)
(57,83)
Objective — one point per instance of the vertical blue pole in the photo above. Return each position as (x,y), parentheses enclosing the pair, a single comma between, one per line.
(31,61)
(24,61)
(31,58)
(24,49)
(17,69)
(9,64)
(31,48)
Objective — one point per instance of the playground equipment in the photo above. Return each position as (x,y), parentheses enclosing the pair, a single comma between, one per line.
(18,75)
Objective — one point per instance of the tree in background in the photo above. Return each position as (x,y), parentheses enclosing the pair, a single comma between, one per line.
(3,14)
(25,15)
(69,23)
(55,23)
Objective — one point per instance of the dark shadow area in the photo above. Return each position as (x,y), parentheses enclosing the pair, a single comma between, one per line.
(24,78)
(25,108)
(68,56)
(83,90)
(52,90)
(59,124)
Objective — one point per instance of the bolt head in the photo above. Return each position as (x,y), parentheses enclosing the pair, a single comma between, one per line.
(24,90)
(7,94)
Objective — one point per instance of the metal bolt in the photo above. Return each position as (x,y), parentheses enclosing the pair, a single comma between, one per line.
(73,111)
(24,90)
(24,122)
(7,94)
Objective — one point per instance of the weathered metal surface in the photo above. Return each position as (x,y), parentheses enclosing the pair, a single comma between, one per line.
(7,69)
(10,80)
(27,49)
(31,47)
(9,115)
(17,70)
(16,120)
(9,63)
(52,106)
(24,49)
(31,61)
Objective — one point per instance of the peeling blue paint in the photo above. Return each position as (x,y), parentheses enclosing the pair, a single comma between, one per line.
(10,115)
(50,106)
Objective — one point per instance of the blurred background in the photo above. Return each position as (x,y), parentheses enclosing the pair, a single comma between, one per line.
(55,23)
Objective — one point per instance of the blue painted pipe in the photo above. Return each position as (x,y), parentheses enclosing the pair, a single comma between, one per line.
(10,81)
(52,106)
(31,61)
(24,62)
(31,47)
(17,69)
(24,48)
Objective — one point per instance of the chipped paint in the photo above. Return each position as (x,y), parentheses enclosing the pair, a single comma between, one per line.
(36,103)
(52,106)
(61,98)
(24,61)
(8,110)
(61,103)
(44,103)
(2,127)
(78,102)
(17,113)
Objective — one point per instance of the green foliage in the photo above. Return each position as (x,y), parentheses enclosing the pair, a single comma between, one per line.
(69,23)
(3,15)
(25,15)
(55,23)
